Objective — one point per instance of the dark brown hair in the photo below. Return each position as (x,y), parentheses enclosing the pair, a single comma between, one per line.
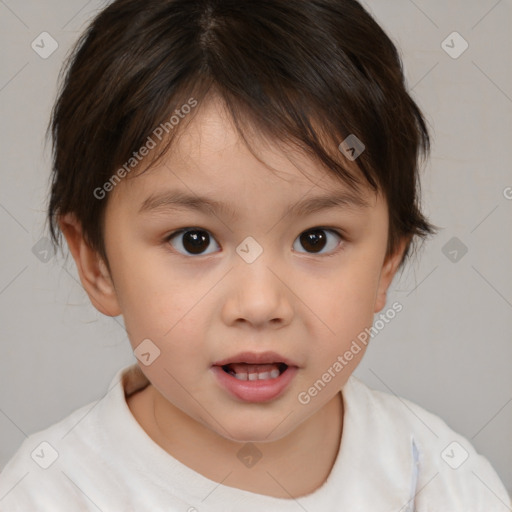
(305,72)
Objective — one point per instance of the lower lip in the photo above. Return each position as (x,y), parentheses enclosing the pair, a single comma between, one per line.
(255,390)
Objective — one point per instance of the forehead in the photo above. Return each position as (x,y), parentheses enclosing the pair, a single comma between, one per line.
(208,157)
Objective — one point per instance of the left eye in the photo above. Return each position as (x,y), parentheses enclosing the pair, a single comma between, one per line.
(315,240)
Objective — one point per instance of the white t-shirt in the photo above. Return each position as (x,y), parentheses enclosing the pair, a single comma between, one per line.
(393,456)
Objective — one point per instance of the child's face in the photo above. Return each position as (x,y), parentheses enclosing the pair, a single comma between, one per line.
(209,305)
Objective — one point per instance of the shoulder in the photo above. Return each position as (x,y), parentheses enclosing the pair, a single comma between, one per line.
(53,467)
(37,472)
(449,474)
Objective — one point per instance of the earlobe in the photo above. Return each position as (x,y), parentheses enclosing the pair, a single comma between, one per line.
(92,270)
(389,269)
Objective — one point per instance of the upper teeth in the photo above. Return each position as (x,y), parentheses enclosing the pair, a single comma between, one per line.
(243,371)
(257,376)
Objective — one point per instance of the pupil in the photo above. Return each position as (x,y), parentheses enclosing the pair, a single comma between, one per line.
(193,240)
(316,239)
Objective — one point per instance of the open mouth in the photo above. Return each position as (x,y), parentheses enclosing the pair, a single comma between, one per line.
(245,371)
(261,380)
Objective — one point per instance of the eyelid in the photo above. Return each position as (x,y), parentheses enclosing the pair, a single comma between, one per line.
(340,232)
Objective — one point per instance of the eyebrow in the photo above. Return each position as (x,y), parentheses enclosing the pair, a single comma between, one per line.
(165,201)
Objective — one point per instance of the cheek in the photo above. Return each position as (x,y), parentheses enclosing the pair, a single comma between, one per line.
(345,306)
(345,301)
(157,303)
(170,317)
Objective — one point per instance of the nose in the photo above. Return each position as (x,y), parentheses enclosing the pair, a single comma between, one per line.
(258,295)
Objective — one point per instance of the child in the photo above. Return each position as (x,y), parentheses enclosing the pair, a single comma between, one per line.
(280,136)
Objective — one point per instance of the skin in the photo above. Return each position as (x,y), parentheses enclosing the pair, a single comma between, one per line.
(202,308)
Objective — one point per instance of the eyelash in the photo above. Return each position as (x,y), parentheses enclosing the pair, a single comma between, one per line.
(334,252)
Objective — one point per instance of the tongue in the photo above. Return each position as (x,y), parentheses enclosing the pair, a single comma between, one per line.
(253,368)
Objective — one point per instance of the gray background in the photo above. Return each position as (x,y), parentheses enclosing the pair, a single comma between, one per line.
(450,348)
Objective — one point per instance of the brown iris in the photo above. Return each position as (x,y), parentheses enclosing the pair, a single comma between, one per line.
(195,241)
(313,241)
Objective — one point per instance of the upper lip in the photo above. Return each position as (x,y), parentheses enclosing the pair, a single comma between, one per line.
(256,358)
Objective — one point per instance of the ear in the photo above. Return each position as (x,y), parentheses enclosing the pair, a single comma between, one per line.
(389,268)
(92,270)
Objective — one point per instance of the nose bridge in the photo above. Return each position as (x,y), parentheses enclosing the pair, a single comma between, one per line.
(253,267)
(257,293)
(260,260)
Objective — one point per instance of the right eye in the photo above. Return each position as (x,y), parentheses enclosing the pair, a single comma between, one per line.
(191,240)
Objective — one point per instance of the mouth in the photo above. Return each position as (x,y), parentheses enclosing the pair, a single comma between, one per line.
(246,371)
(255,382)
(255,376)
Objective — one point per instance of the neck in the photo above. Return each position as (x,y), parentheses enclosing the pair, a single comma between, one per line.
(313,446)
